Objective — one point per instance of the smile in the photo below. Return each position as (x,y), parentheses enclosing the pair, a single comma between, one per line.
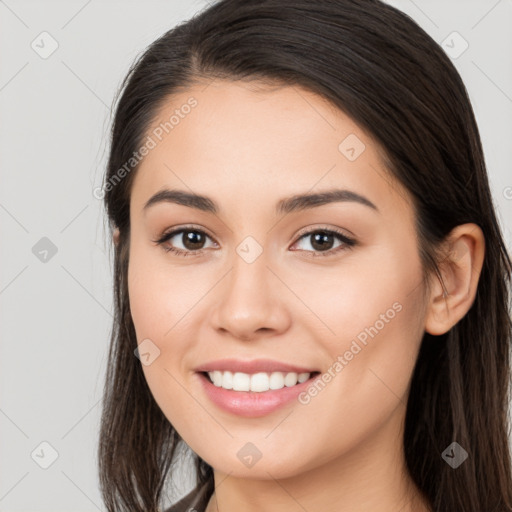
(257,382)
(251,404)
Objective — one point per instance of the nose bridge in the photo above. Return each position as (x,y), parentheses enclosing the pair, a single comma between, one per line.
(249,278)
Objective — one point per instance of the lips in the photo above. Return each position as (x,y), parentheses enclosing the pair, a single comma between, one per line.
(249,404)
(252,366)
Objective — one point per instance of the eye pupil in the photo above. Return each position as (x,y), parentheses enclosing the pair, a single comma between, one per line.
(192,240)
(322,240)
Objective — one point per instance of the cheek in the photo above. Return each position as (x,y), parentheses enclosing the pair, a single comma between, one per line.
(367,375)
(373,312)
(163,306)
(159,313)
(363,292)
(160,298)
(378,324)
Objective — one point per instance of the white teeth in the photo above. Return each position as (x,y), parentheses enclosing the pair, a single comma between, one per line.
(241,382)
(216,377)
(303,377)
(226,380)
(258,382)
(276,380)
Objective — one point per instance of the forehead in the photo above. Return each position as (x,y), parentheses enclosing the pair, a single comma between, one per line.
(251,142)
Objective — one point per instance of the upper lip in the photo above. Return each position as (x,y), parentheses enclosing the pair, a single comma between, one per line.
(252,366)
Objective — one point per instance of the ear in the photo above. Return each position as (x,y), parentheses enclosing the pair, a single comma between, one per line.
(115,236)
(460,270)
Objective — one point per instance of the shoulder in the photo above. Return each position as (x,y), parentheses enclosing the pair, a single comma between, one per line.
(195,501)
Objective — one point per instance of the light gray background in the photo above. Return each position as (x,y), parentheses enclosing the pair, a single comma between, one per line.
(55,117)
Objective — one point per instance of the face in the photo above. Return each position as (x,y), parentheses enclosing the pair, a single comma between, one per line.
(334,287)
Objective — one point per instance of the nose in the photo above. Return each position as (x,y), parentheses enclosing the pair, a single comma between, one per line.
(250,301)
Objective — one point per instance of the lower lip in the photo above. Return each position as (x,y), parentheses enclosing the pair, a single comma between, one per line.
(251,404)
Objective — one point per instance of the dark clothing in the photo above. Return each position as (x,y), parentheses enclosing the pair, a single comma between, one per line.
(195,501)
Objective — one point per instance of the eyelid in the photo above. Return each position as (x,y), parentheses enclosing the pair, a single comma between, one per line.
(304,231)
(187,227)
(324,227)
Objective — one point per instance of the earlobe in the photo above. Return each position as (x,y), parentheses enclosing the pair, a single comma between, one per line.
(115,236)
(460,269)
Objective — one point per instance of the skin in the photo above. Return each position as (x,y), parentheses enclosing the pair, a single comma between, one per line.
(247,147)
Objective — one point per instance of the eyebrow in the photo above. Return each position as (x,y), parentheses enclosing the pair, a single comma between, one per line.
(287,205)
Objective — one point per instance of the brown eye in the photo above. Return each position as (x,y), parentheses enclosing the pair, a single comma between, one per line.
(191,240)
(322,242)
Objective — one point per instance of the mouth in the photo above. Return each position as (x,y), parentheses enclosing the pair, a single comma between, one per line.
(260,382)
(244,398)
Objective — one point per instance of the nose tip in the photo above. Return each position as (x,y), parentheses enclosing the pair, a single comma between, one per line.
(248,306)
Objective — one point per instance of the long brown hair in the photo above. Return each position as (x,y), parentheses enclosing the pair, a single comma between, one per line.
(378,66)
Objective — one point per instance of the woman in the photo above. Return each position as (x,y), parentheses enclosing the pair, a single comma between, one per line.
(311,286)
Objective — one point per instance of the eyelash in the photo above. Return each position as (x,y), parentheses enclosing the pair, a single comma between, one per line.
(347,242)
